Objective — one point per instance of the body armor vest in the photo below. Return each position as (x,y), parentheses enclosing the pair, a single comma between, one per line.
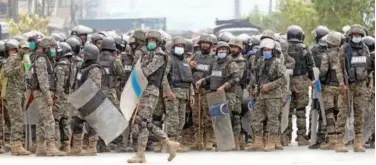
(83,74)
(181,73)
(219,74)
(203,66)
(296,51)
(356,64)
(71,75)
(157,76)
(33,83)
(106,60)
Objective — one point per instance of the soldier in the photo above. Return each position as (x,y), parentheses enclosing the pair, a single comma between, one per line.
(110,62)
(299,82)
(270,79)
(330,74)
(370,42)
(188,49)
(3,59)
(356,65)
(15,73)
(81,32)
(236,98)
(200,64)
(64,72)
(153,66)
(90,69)
(128,60)
(180,79)
(43,86)
(96,39)
(223,76)
(317,51)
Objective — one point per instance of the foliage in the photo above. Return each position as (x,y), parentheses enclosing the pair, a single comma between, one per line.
(332,13)
(26,23)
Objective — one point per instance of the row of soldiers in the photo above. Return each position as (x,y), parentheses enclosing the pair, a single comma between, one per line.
(181,73)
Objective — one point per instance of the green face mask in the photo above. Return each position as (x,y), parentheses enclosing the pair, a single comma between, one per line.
(152,45)
(53,52)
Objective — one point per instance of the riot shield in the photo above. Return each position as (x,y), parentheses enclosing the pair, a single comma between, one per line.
(286,107)
(221,121)
(98,111)
(369,122)
(317,105)
(249,104)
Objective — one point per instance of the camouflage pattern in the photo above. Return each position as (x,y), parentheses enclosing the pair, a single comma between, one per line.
(45,121)
(331,95)
(270,101)
(357,92)
(16,87)
(148,102)
(236,98)
(299,100)
(62,114)
(175,112)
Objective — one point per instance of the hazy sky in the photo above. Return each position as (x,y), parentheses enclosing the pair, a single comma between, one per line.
(180,14)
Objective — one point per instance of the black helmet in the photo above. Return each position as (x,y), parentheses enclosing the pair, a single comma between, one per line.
(254,40)
(188,45)
(64,50)
(370,42)
(320,32)
(295,33)
(119,42)
(58,37)
(75,44)
(81,30)
(108,43)
(91,52)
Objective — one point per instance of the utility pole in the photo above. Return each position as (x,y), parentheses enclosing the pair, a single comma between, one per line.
(270,6)
(13,9)
(237,9)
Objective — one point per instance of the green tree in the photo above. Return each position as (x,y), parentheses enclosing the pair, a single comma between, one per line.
(25,23)
(338,13)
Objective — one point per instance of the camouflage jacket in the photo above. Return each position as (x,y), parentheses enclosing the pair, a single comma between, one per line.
(15,72)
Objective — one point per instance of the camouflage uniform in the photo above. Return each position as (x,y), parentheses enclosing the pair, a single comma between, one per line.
(15,74)
(270,72)
(357,71)
(299,88)
(200,116)
(45,118)
(236,98)
(153,67)
(329,70)
(180,79)
(63,76)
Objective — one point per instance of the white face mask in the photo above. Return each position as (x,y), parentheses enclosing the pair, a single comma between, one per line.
(179,50)
(356,39)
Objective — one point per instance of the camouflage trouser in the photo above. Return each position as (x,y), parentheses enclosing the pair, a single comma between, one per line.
(299,101)
(4,134)
(330,97)
(269,110)
(144,117)
(235,109)
(45,118)
(188,133)
(202,119)
(62,119)
(16,115)
(175,116)
(358,92)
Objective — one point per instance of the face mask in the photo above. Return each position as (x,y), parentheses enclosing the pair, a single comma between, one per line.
(221,55)
(152,45)
(53,52)
(267,54)
(179,50)
(32,46)
(356,39)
